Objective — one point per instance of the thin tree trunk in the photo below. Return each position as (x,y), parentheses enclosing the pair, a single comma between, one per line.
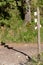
(27,11)
(28,15)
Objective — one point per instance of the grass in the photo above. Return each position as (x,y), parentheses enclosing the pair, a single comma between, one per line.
(36,62)
(17,32)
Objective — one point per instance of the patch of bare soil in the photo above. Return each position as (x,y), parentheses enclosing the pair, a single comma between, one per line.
(17,54)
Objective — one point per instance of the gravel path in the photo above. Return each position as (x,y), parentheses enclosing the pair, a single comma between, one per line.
(16,54)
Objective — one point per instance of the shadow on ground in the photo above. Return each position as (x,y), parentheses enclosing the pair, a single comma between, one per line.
(7,46)
(29,59)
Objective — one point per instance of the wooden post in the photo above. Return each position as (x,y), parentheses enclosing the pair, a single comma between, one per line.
(38,26)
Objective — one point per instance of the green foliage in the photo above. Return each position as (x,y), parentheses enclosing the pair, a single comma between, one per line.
(12,24)
(40,2)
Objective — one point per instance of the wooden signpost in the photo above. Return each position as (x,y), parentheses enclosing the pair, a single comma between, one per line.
(37,20)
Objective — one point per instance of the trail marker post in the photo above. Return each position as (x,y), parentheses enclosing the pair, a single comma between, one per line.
(37,20)
(38,26)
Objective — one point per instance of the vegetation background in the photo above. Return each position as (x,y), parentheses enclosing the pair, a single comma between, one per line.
(12,23)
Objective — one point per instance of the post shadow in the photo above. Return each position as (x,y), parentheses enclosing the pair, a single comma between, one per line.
(7,46)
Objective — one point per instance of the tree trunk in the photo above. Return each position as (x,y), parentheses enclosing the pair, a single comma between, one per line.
(28,15)
(26,9)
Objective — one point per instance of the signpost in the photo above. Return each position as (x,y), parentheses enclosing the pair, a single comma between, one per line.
(37,20)
(38,26)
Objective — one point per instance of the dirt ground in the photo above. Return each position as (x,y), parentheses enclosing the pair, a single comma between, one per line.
(17,54)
